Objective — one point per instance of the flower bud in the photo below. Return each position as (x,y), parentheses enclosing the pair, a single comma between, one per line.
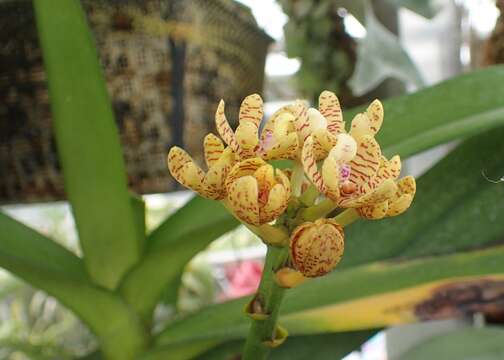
(317,247)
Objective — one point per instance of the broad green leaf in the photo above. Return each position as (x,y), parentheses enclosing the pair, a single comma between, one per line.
(50,267)
(88,143)
(170,247)
(380,56)
(464,344)
(460,107)
(365,297)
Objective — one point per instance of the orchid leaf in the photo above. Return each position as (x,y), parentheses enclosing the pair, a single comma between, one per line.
(88,142)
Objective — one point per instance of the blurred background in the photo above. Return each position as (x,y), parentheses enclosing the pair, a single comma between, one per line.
(167,64)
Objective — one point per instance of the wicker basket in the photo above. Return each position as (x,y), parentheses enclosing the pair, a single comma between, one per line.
(166,62)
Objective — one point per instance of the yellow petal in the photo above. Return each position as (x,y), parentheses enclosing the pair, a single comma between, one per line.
(287,111)
(243,199)
(375,115)
(310,165)
(331,175)
(251,110)
(243,168)
(329,107)
(283,149)
(400,205)
(213,184)
(284,124)
(223,127)
(360,127)
(184,170)
(323,142)
(303,127)
(385,191)
(407,185)
(365,164)
(247,137)
(374,212)
(213,148)
(265,176)
(277,203)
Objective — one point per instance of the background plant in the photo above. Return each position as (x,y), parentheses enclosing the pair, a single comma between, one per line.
(115,286)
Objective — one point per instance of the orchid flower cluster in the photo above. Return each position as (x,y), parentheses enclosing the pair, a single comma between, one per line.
(334,175)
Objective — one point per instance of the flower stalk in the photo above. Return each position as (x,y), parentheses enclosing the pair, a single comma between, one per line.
(264,334)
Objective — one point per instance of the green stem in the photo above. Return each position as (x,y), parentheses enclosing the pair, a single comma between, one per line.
(347,217)
(321,210)
(297,179)
(270,297)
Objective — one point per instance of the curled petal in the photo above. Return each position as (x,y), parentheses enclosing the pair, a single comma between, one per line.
(383,192)
(374,212)
(406,189)
(286,113)
(277,203)
(247,137)
(316,248)
(265,176)
(303,127)
(251,110)
(331,171)
(213,184)
(243,199)
(310,165)
(286,148)
(374,114)
(224,129)
(400,205)
(243,168)
(184,170)
(323,142)
(330,108)
(213,148)
(361,127)
(365,164)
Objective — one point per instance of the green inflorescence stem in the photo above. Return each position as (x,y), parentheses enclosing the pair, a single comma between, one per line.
(270,296)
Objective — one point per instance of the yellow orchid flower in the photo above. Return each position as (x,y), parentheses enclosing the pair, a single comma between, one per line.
(211,184)
(278,139)
(257,193)
(354,174)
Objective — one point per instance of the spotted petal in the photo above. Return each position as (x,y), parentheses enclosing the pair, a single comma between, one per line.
(365,164)
(277,203)
(243,168)
(184,170)
(243,199)
(330,108)
(251,110)
(403,197)
(374,114)
(310,165)
(213,148)
(383,192)
(224,129)
(374,212)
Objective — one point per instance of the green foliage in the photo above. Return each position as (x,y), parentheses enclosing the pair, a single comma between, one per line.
(88,143)
(115,287)
(465,344)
